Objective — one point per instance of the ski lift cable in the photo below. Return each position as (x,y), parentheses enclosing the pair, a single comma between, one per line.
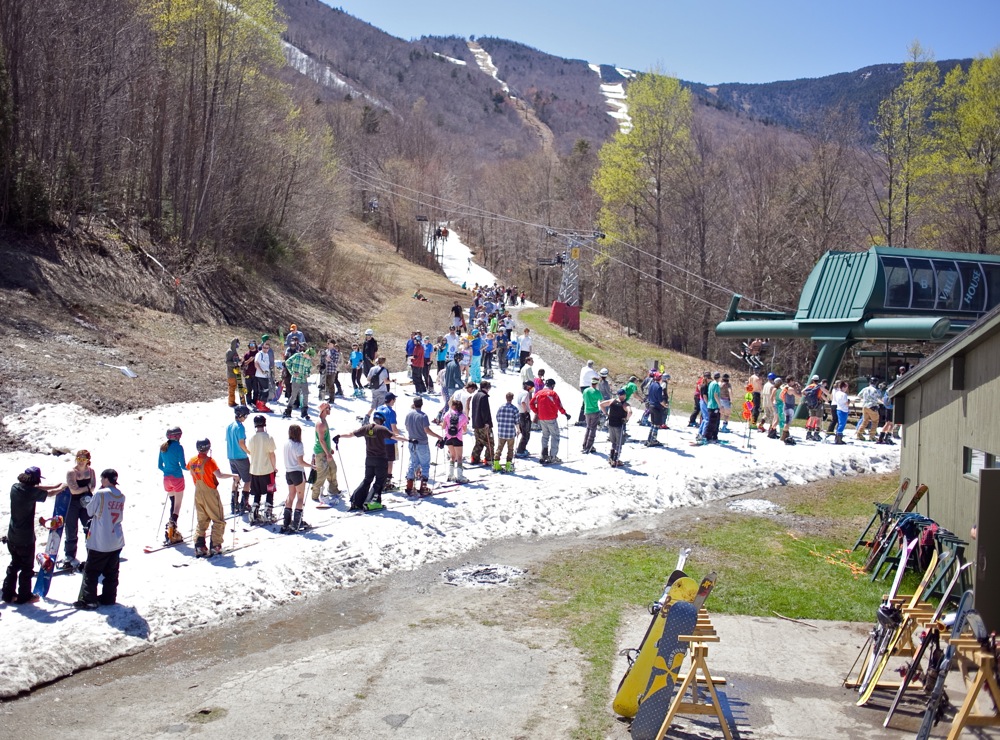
(644,274)
(468,210)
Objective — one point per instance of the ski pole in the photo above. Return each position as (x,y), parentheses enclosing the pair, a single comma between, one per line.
(162,512)
(347,486)
(437,451)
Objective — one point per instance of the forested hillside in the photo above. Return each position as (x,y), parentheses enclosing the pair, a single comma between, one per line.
(222,144)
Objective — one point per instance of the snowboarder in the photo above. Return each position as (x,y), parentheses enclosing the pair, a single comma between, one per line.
(172,464)
(81,480)
(104,544)
(205,473)
(295,477)
(368,495)
(21,534)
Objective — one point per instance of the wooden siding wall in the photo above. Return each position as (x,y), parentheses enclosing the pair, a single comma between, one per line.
(941,422)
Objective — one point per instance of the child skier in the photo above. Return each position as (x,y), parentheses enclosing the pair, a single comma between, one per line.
(205,473)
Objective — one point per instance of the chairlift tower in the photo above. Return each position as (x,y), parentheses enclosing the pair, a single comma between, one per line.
(566,308)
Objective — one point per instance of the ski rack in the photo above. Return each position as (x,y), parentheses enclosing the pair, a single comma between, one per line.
(971,652)
(698,674)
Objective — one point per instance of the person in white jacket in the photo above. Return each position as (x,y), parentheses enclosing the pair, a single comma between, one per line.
(104,543)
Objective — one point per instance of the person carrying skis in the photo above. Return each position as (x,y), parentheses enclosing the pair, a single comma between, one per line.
(21,535)
(619,412)
(205,473)
(81,480)
(233,369)
(592,413)
(323,462)
(418,427)
(547,405)
(105,541)
(263,468)
(507,427)
(454,423)
(295,477)
(172,464)
(482,425)
(239,459)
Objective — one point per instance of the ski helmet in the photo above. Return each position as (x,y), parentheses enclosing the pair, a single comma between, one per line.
(369,332)
(378,417)
(241,412)
(203,445)
(622,392)
(174,433)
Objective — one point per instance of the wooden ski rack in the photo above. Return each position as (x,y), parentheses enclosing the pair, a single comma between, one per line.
(698,674)
(971,652)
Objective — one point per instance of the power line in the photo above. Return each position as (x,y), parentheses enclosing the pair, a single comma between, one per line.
(465,209)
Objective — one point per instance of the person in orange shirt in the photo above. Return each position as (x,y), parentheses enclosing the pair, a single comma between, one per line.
(205,473)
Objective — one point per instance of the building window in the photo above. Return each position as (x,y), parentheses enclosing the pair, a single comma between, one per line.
(976,460)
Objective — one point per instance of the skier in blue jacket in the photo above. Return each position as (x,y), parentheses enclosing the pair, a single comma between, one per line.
(172,464)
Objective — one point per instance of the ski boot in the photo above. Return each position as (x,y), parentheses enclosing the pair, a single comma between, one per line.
(451,471)
(460,474)
(496,467)
(839,439)
(255,514)
(297,524)
(424,488)
(409,487)
(374,506)
(287,413)
(215,550)
(269,516)
(509,467)
(69,563)
(286,524)
(390,485)
(172,535)
(200,549)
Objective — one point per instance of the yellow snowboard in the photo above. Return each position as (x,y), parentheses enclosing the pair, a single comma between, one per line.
(636,678)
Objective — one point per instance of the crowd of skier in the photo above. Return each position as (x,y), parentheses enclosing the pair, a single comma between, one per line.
(480,340)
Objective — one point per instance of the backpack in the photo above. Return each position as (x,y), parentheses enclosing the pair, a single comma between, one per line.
(811,395)
(453,425)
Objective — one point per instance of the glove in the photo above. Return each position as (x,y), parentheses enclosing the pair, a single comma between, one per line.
(440,444)
(336,440)
(567,417)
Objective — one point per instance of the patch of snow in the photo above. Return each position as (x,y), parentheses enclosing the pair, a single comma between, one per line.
(321,73)
(447,58)
(616,99)
(754,506)
(485,62)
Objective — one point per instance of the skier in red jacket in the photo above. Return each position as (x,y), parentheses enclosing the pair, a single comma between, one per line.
(547,406)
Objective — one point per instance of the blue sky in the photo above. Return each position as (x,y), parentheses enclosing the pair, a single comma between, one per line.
(708,41)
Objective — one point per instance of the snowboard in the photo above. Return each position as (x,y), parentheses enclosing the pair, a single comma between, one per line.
(655,700)
(47,558)
(931,715)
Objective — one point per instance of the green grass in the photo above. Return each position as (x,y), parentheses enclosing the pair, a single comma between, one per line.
(763,567)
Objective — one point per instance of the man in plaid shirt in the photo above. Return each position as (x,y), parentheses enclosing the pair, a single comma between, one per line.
(299,367)
(507,416)
(332,370)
